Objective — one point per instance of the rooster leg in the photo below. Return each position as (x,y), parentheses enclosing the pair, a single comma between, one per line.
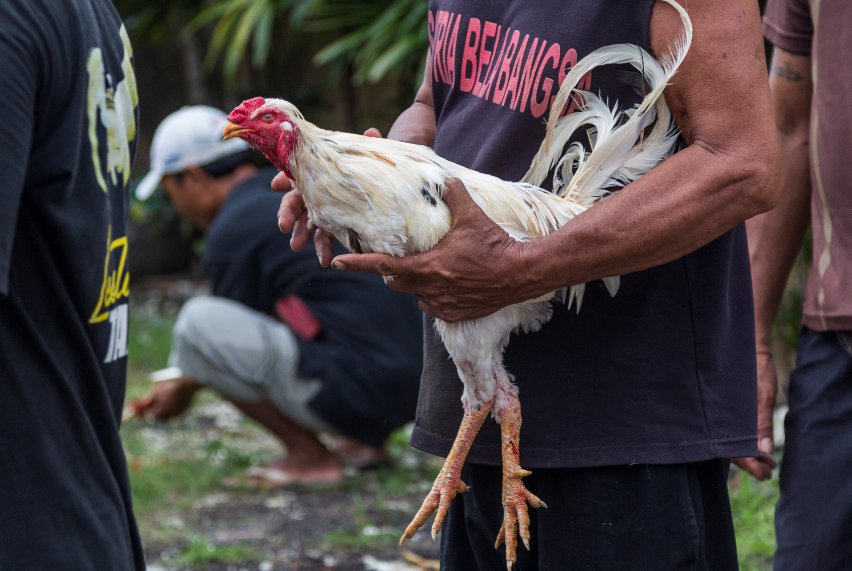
(515,496)
(449,483)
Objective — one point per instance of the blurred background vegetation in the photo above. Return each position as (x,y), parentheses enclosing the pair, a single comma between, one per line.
(349,64)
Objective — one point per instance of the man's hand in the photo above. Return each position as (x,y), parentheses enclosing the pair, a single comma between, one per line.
(167,399)
(767,388)
(293,216)
(475,270)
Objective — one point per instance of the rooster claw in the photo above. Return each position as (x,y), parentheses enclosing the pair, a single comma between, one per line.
(516,517)
(448,483)
(442,493)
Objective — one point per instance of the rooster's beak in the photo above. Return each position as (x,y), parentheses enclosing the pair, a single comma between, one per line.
(233,130)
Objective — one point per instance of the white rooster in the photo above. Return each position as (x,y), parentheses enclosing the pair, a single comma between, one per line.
(380,195)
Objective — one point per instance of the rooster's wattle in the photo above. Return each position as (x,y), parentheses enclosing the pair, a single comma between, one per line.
(380,195)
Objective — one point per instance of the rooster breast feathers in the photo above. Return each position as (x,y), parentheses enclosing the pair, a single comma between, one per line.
(384,196)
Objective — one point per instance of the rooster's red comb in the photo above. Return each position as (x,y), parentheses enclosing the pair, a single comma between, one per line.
(244,110)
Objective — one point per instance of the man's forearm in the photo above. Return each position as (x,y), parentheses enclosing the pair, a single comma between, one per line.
(725,175)
(677,207)
(776,237)
(415,125)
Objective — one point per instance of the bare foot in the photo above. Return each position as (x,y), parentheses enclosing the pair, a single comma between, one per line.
(322,472)
(358,455)
(285,474)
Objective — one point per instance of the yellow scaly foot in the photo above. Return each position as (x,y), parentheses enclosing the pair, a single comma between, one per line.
(449,483)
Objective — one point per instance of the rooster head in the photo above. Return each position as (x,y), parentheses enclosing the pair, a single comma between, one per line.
(268,125)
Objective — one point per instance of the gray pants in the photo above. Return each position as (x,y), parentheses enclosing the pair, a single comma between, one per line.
(245,355)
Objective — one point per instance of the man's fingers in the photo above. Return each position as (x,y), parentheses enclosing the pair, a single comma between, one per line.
(458,198)
(382,264)
(291,209)
(281,183)
(766,433)
(766,459)
(754,466)
(303,231)
(373,132)
(323,242)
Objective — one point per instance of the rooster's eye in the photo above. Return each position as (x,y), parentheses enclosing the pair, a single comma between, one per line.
(267,117)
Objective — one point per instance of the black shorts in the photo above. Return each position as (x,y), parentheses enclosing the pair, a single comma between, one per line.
(640,517)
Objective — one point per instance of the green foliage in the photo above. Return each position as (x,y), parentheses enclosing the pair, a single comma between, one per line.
(151,18)
(377,39)
(201,552)
(149,343)
(753,506)
(362,539)
(361,533)
(168,482)
(238,25)
(380,39)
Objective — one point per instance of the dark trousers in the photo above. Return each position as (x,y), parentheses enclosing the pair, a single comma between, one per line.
(640,517)
(813,520)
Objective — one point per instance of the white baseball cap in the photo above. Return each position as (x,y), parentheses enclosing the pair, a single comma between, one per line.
(190,136)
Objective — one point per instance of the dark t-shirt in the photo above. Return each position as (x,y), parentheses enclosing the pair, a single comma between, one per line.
(369,354)
(661,373)
(821,30)
(68,134)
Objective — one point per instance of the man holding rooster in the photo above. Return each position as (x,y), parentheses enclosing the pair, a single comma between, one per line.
(633,406)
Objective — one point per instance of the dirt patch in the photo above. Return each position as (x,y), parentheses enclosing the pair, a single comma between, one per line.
(299,530)
(189,520)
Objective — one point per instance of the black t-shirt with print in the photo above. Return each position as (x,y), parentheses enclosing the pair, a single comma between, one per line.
(68,135)
(664,372)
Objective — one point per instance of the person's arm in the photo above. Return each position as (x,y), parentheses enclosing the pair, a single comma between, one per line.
(776,237)
(417,123)
(726,174)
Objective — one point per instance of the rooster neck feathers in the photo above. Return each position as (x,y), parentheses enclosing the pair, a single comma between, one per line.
(287,144)
(370,192)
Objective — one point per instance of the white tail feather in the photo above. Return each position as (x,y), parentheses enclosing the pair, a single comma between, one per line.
(622,150)
(612,284)
(619,153)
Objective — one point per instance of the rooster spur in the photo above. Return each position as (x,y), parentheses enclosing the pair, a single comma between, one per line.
(379,195)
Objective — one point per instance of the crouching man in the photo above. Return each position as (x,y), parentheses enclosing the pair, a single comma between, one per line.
(300,349)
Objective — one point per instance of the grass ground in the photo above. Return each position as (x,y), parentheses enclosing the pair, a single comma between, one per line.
(188,520)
